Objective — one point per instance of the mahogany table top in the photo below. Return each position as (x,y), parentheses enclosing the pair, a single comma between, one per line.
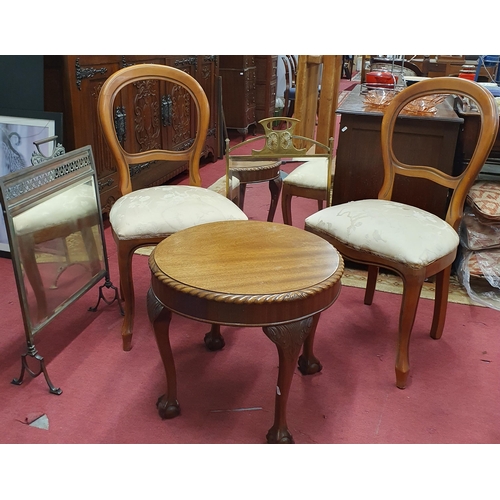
(246,273)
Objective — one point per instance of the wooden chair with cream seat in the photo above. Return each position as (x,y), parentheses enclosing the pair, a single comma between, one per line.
(146,216)
(407,240)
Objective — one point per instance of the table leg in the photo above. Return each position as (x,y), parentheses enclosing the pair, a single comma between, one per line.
(213,339)
(308,362)
(160,317)
(289,339)
(275,188)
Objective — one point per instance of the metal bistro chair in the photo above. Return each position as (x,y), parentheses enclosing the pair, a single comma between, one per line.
(280,143)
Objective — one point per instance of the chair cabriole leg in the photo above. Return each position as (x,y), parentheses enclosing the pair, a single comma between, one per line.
(440,302)
(412,286)
(125,254)
(371,284)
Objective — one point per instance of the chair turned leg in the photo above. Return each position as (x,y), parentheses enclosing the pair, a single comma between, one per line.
(125,254)
(275,189)
(371,284)
(286,205)
(440,302)
(411,294)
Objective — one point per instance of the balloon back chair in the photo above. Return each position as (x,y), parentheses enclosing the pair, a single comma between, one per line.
(146,216)
(407,240)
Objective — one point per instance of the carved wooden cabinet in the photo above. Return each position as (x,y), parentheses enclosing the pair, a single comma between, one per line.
(266,70)
(238,91)
(72,85)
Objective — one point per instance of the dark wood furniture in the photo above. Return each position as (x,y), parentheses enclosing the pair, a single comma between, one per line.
(266,70)
(442,65)
(469,133)
(284,295)
(238,75)
(429,140)
(72,86)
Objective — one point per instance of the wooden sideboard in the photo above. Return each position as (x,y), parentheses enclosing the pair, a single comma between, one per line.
(238,75)
(469,133)
(266,71)
(428,140)
(72,85)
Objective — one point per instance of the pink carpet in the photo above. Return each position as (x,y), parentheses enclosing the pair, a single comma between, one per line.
(227,397)
(109,395)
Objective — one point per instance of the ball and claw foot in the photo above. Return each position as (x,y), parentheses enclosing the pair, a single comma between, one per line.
(214,343)
(167,411)
(279,437)
(308,366)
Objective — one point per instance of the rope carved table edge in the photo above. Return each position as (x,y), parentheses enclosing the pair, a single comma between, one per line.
(246,298)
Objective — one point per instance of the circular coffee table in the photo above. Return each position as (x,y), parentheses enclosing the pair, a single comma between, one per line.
(245,273)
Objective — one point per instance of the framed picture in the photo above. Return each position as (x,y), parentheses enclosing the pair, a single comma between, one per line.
(19,130)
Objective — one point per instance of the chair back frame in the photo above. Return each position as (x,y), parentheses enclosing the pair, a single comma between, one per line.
(127,76)
(461,183)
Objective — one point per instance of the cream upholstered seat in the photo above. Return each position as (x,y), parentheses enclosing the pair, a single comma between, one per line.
(391,230)
(410,241)
(146,216)
(174,208)
(312,173)
(308,180)
(68,207)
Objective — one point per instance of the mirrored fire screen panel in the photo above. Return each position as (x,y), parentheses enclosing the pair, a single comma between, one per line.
(55,230)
